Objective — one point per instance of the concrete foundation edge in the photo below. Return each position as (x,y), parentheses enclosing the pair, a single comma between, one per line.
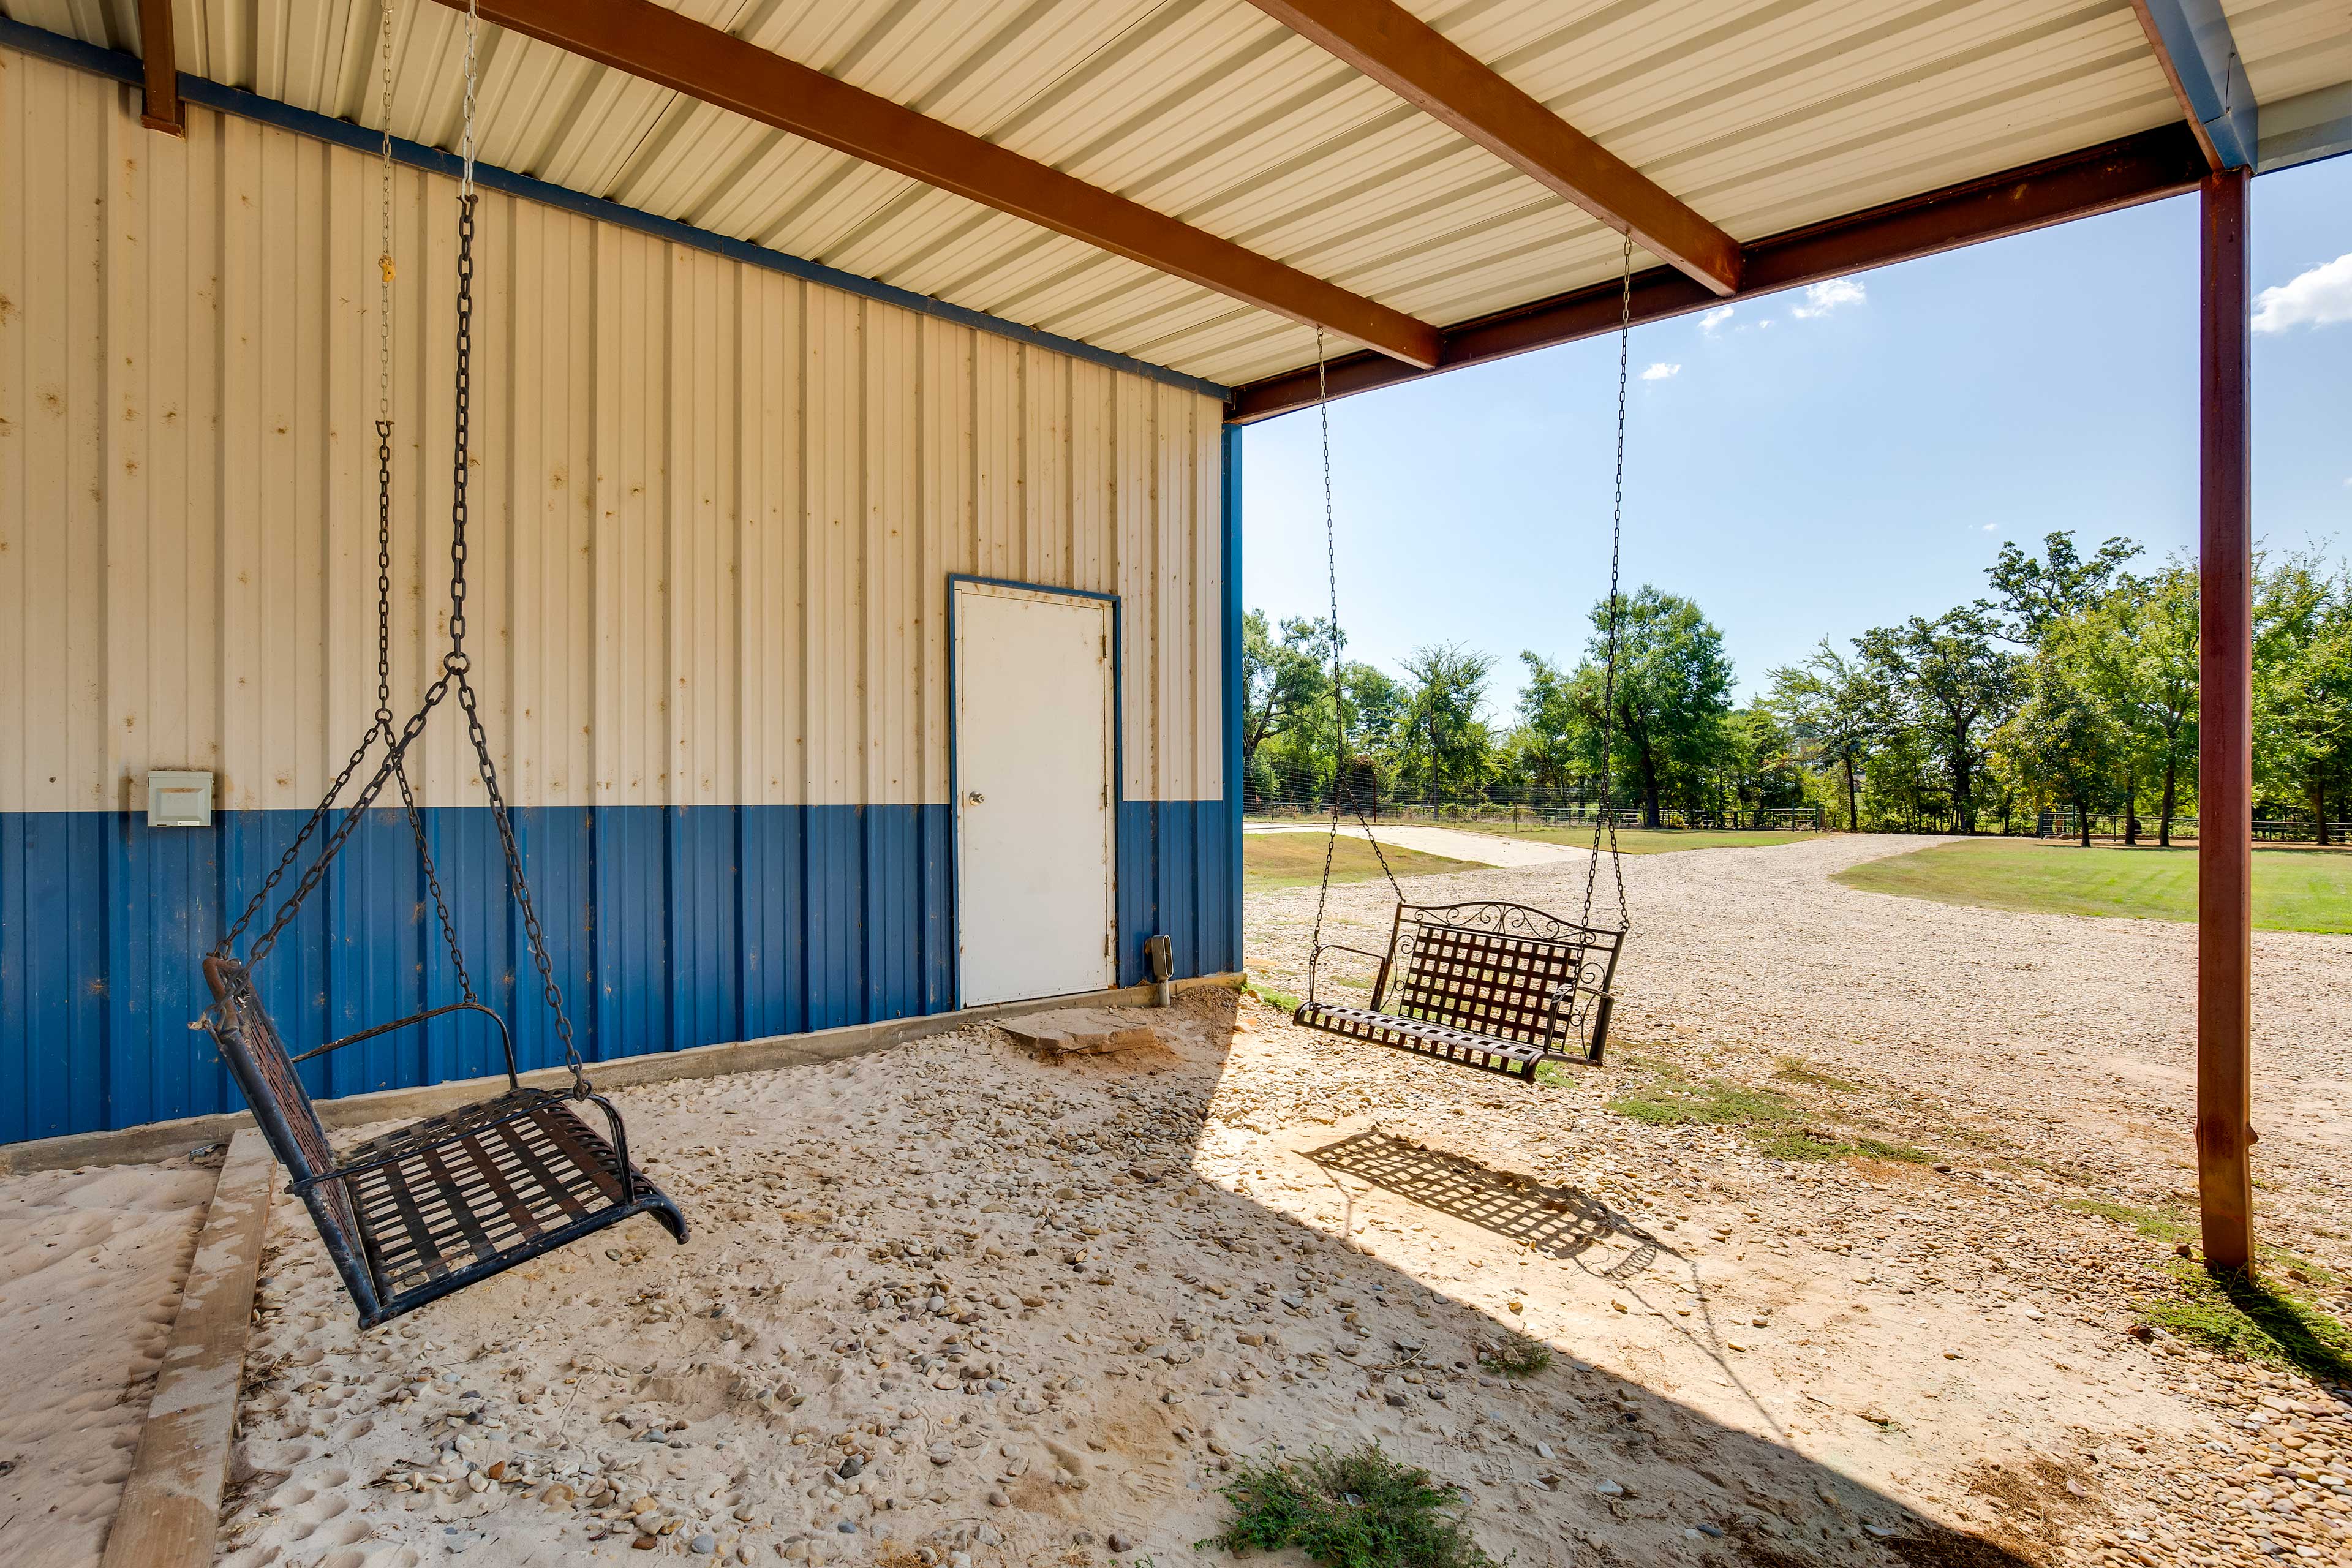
(171,1502)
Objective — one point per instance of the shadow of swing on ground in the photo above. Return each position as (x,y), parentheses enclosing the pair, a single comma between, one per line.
(1566,1224)
(1560,1222)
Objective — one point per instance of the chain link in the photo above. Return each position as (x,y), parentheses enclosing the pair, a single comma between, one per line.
(1608,819)
(455,664)
(1339,697)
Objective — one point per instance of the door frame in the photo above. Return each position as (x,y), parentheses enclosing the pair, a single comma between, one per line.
(955,780)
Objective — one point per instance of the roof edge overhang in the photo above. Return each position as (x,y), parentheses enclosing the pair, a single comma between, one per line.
(2153,164)
(127,69)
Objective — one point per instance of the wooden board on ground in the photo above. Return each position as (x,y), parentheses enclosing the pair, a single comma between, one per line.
(171,1504)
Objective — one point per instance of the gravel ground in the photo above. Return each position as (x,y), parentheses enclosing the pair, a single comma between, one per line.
(952,1305)
(2069,1037)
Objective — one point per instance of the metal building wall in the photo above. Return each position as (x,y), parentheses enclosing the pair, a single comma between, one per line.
(716,510)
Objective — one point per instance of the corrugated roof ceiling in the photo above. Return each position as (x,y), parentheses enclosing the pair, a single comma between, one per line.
(1761,115)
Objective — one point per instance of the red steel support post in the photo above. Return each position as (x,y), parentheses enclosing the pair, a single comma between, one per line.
(2225,860)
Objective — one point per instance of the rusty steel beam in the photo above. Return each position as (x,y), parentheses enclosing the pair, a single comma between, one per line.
(160,109)
(2225,767)
(2154,164)
(648,41)
(1446,81)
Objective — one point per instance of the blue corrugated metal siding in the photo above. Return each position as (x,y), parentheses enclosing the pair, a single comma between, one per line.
(1175,875)
(669,927)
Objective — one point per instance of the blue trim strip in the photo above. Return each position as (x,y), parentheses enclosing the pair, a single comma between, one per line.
(1230,450)
(286,117)
(2196,39)
(1117,774)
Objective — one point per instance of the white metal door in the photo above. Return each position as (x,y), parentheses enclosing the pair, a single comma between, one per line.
(1035,886)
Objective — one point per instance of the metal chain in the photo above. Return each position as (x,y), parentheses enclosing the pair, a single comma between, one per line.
(1608,820)
(1339,697)
(454,663)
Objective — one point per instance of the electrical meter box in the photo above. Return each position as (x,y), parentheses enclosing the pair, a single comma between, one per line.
(179,800)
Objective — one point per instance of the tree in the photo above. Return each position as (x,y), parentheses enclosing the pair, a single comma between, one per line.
(1673,690)
(1834,710)
(1442,736)
(2062,744)
(2033,593)
(2134,651)
(2303,685)
(1550,745)
(1945,678)
(1282,682)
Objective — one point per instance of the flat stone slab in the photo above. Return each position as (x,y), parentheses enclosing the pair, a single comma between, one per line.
(1080,1031)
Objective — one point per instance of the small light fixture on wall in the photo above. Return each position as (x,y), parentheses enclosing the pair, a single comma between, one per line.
(179,799)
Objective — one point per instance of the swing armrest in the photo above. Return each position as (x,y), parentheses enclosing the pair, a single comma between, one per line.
(1315,962)
(505,1038)
(1322,948)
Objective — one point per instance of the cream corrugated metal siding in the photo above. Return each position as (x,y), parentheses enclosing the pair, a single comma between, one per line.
(715,506)
(1762,114)
(715,511)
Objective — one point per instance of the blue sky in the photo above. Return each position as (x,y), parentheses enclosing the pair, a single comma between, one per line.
(1819,465)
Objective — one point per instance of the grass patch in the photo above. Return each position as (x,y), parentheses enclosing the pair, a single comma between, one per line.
(1792,1070)
(1675,1099)
(2295,890)
(2157,1224)
(1640,840)
(1361,1510)
(1519,1355)
(1778,1126)
(2240,1316)
(1271,997)
(1271,860)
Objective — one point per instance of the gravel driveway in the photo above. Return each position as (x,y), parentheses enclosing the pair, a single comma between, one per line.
(2072,1035)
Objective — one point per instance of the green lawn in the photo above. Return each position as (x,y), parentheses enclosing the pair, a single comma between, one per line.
(1271,860)
(2295,890)
(1644,840)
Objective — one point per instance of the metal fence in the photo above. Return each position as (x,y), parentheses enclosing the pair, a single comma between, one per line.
(1286,796)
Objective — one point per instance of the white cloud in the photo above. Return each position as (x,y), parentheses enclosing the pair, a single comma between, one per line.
(2321,297)
(1990,527)
(1821,299)
(1662,370)
(1763,326)
(1714,318)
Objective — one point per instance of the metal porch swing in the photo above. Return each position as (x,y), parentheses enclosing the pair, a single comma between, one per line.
(1497,986)
(438,1205)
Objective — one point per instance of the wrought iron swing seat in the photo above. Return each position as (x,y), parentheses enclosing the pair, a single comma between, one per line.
(434,1206)
(430,1208)
(1497,986)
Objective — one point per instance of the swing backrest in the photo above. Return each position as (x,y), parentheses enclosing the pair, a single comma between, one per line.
(281,1107)
(1503,971)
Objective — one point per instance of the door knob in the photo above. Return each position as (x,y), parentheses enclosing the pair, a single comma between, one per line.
(975,798)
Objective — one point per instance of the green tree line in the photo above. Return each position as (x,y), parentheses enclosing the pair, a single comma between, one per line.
(2068,691)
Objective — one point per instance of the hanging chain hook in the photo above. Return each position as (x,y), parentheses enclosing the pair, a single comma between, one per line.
(1608,820)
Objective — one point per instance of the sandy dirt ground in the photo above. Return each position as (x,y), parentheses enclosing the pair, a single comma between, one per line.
(91,1264)
(950,1304)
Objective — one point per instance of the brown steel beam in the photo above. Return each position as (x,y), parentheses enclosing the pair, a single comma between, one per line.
(659,44)
(2160,162)
(2225,853)
(1446,81)
(161,109)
